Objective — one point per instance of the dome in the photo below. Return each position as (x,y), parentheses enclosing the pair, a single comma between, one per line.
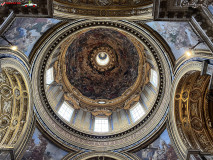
(102,71)
(102,80)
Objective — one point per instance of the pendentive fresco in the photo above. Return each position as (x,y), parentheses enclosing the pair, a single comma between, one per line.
(24,32)
(40,148)
(179,36)
(160,149)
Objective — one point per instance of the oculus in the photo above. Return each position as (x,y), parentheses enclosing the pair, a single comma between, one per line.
(102,59)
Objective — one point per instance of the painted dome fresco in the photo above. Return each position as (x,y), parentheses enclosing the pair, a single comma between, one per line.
(86,69)
(101,69)
(101,80)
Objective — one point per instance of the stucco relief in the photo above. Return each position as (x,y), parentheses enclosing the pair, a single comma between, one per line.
(189,111)
(13,106)
(98,8)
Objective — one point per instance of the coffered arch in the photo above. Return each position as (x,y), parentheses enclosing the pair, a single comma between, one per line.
(189,116)
(16,104)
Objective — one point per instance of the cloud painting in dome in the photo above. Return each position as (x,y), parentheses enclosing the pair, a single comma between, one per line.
(83,73)
(39,148)
(24,32)
(160,149)
(179,36)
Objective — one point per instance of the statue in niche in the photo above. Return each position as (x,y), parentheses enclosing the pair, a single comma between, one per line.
(194,110)
(184,109)
(7,106)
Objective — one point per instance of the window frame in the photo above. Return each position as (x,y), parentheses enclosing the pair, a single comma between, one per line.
(101,128)
(63,111)
(135,112)
(154,78)
(50,76)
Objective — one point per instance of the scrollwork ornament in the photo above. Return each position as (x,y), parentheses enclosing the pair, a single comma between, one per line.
(5,91)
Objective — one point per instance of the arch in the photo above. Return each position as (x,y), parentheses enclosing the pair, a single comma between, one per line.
(16,105)
(188,118)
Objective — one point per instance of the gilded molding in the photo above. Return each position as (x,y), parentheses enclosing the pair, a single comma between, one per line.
(93,10)
(185,121)
(189,111)
(16,105)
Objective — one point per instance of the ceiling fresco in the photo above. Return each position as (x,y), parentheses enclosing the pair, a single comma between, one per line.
(160,149)
(92,81)
(179,36)
(39,148)
(24,32)
(106,80)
